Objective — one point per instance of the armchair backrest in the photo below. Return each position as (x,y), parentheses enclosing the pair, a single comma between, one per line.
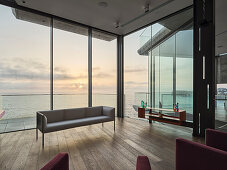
(216,139)
(191,155)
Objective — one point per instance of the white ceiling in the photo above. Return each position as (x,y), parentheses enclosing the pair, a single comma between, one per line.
(90,13)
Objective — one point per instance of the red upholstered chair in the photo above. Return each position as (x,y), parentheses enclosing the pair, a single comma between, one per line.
(143,163)
(212,155)
(59,162)
(216,139)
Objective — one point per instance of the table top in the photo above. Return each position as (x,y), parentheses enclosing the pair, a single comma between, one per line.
(162,109)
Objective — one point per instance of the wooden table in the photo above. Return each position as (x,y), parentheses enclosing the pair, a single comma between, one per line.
(161,115)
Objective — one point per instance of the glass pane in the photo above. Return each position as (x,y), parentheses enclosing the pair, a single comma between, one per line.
(136,70)
(184,71)
(104,69)
(70,65)
(162,53)
(24,68)
(220,61)
(167,54)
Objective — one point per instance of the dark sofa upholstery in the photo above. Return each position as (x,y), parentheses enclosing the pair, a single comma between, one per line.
(55,120)
(192,155)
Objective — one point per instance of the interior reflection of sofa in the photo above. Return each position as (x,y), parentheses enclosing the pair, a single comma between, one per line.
(55,120)
(213,155)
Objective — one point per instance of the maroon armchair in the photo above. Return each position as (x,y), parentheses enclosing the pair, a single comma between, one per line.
(216,139)
(212,155)
(59,162)
(143,163)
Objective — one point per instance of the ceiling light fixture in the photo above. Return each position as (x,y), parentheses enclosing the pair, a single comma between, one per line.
(146,8)
(103,4)
(116,24)
(147,11)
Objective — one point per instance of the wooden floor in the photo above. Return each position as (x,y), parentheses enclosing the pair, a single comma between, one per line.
(96,147)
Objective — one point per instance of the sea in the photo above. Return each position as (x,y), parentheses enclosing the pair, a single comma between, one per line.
(26,106)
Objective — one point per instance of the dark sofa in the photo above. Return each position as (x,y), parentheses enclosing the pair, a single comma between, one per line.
(55,120)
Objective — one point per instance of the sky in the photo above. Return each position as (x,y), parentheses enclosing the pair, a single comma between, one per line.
(25,60)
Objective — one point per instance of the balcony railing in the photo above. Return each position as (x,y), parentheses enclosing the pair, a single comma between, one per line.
(20,110)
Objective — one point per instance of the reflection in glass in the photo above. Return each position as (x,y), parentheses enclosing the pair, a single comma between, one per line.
(166,48)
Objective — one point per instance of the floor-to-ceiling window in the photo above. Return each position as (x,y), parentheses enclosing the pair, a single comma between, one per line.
(135,71)
(33,49)
(184,71)
(70,60)
(221,60)
(104,69)
(162,65)
(24,68)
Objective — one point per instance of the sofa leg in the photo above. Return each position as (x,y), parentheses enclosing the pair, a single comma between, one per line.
(114,125)
(43,140)
(36,134)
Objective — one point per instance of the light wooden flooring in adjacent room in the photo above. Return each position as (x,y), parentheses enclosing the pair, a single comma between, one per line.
(96,147)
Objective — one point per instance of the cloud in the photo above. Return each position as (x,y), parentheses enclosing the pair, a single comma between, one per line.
(102,75)
(135,70)
(95,68)
(135,83)
(16,68)
(21,69)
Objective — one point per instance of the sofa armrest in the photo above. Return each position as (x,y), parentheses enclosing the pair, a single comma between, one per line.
(216,139)
(41,121)
(191,155)
(60,161)
(109,111)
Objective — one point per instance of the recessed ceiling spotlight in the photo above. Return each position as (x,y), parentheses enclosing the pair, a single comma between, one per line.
(116,24)
(103,4)
(146,7)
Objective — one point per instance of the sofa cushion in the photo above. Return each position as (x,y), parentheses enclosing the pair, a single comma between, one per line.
(51,127)
(54,115)
(93,111)
(71,114)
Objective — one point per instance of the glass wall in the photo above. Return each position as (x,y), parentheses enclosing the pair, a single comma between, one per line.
(135,71)
(184,71)
(70,65)
(221,60)
(24,68)
(166,59)
(104,69)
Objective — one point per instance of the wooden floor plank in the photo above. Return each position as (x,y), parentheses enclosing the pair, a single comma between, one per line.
(96,146)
